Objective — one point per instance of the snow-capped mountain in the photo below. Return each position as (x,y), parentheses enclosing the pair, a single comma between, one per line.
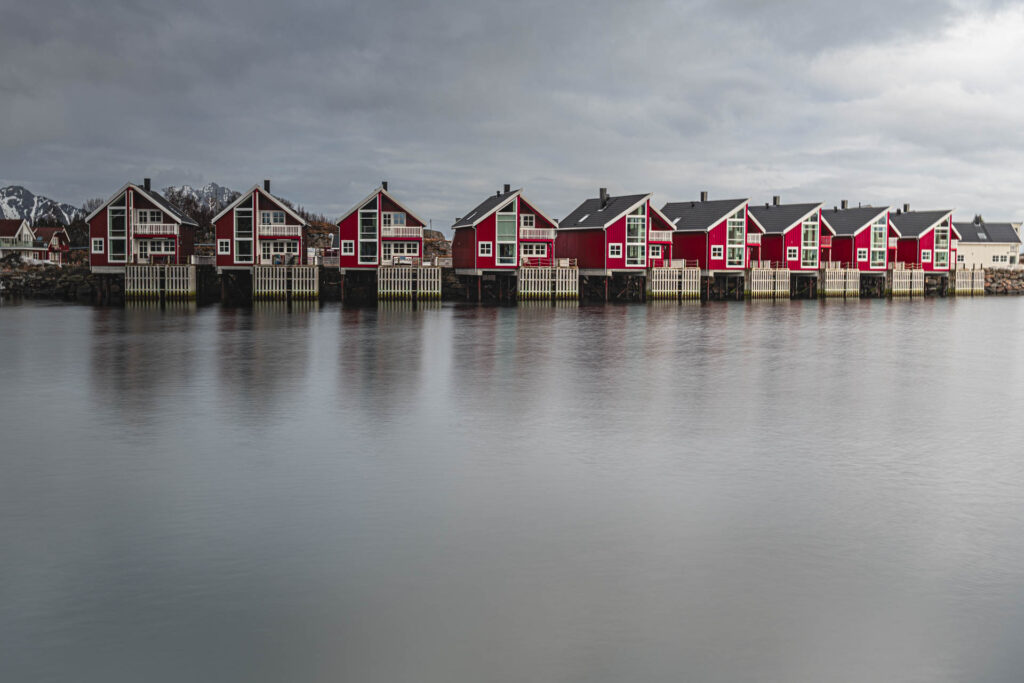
(211,195)
(17,202)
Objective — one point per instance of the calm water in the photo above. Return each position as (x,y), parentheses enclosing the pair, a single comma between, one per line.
(735,492)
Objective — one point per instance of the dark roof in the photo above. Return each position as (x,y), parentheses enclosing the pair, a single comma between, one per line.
(46,233)
(9,226)
(589,214)
(916,223)
(777,219)
(850,221)
(702,216)
(992,233)
(482,209)
(171,208)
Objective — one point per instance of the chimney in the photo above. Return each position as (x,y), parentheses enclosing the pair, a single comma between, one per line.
(145,184)
(775,200)
(845,204)
(603,192)
(384,185)
(508,188)
(266,185)
(906,208)
(704,195)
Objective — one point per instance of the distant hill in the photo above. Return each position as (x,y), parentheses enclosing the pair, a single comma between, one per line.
(210,196)
(17,202)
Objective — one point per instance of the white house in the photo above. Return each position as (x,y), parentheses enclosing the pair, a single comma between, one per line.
(988,245)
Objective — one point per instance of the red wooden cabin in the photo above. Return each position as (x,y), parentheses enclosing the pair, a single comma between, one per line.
(925,239)
(379,231)
(55,243)
(138,225)
(711,233)
(791,235)
(859,237)
(608,235)
(502,233)
(258,229)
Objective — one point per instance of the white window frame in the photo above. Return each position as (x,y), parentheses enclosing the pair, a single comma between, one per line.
(485,249)
(926,256)
(145,216)
(505,213)
(878,242)
(638,218)
(372,215)
(534,249)
(810,227)
(735,239)
(615,250)
(118,208)
(527,220)
(862,254)
(392,218)
(792,253)
(960,258)
(223,247)
(97,245)
(348,248)
(271,217)
(655,250)
(717,252)
(247,236)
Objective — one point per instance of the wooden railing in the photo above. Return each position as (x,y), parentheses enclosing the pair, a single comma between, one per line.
(661,236)
(893,241)
(203,260)
(537,261)
(279,230)
(330,261)
(155,229)
(401,231)
(753,238)
(826,242)
(536,234)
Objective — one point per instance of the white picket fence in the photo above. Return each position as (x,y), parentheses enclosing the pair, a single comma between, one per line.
(156,281)
(280,282)
(968,282)
(400,283)
(840,282)
(767,283)
(906,282)
(673,283)
(543,282)
(305,282)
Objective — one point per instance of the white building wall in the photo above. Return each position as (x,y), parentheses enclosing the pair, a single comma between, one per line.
(972,255)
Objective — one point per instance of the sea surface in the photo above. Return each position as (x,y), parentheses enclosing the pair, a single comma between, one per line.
(794,491)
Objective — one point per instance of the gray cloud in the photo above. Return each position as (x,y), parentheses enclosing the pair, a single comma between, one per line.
(872,101)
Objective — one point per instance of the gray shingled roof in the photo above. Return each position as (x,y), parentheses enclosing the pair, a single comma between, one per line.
(778,219)
(916,223)
(848,222)
(990,233)
(170,208)
(482,209)
(589,214)
(700,216)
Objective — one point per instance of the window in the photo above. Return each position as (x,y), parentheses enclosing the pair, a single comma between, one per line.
(527,220)
(655,251)
(484,249)
(878,230)
(717,251)
(862,254)
(117,230)
(942,243)
(243,232)
(368,232)
(348,248)
(390,218)
(792,253)
(960,258)
(97,245)
(534,249)
(505,234)
(636,237)
(615,250)
(149,216)
(926,256)
(1002,259)
(272,217)
(223,246)
(390,249)
(735,231)
(809,242)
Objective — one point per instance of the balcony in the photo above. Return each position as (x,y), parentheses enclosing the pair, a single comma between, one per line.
(826,242)
(155,229)
(892,242)
(407,231)
(754,239)
(661,236)
(536,234)
(278,230)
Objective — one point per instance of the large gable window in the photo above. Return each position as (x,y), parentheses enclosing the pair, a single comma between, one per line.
(243,232)
(735,236)
(878,230)
(809,241)
(942,244)
(505,234)
(368,231)
(117,230)
(636,237)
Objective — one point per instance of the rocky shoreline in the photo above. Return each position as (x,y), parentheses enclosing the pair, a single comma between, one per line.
(1004,281)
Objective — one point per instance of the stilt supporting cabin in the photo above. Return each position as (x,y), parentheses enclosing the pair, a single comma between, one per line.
(767,283)
(968,282)
(174,282)
(285,282)
(839,282)
(409,283)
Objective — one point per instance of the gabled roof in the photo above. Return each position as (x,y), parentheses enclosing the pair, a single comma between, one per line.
(778,219)
(248,193)
(590,214)
(486,208)
(9,226)
(849,222)
(701,216)
(380,190)
(987,233)
(46,233)
(174,212)
(914,224)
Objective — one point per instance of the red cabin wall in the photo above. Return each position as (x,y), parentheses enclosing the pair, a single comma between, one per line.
(98,228)
(691,246)
(464,249)
(586,246)
(907,251)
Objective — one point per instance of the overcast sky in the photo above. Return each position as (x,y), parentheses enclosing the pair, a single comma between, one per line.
(880,102)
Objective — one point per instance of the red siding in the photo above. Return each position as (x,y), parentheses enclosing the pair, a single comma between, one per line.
(691,246)
(464,249)
(586,246)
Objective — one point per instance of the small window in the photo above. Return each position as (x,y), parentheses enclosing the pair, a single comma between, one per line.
(615,250)
(862,254)
(223,246)
(717,251)
(960,258)
(926,256)
(526,220)
(485,249)
(97,245)
(1002,259)
(793,253)
(348,248)
(655,251)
